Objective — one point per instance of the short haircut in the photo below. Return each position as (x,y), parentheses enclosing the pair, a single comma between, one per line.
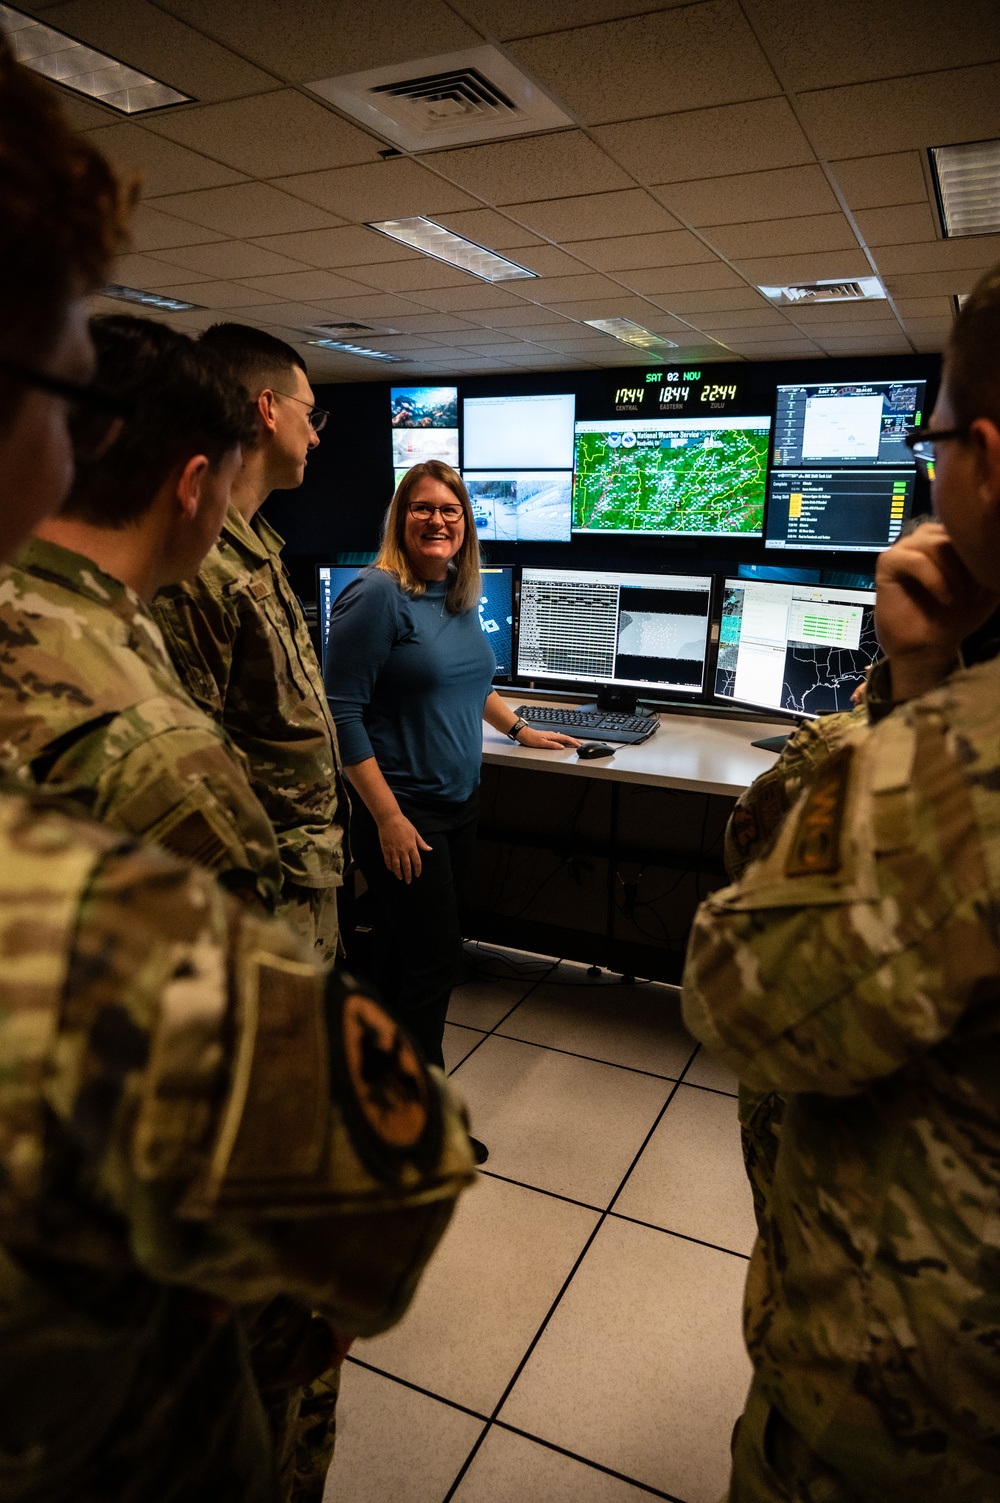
(972,359)
(184,402)
(63,213)
(254,358)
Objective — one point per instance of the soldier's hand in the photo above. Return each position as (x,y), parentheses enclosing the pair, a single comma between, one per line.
(402,843)
(926,603)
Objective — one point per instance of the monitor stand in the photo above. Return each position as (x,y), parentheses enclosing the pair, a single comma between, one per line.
(621,701)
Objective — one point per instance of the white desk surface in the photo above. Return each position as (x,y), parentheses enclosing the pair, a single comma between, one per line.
(698,753)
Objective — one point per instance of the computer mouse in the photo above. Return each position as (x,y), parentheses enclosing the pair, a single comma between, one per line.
(591,749)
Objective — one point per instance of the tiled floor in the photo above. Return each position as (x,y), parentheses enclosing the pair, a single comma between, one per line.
(577,1338)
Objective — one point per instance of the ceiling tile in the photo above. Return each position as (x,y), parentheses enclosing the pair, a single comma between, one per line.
(681,59)
(878,182)
(690,304)
(418,321)
(765,349)
(898,114)
(269,135)
(565,289)
(411,276)
(248,209)
(149,230)
(548,166)
(308,286)
(550,261)
(931,283)
(479,295)
(487,227)
(779,271)
(515,318)
(163,166)
(904,224)
(783,237)
(532,332)
(929,328)
(719,142)
(751,196)
(462,337)
(233,258)
(867,345)
(924,307)
(148,271)
(354,245)
(978,251)
(83,115)
(507,19)
(313,39)
(217,295)
(622,306)
(285,313)
(631,211)
(662,279)
(825,329)
(822,45)
(146,37)
(675,248)
(841,313)
(396,189)
(743,318)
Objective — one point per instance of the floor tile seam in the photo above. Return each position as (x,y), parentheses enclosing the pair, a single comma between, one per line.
(523,1184)
(642,1148)
(428,1393)
(490,1032)
(597,1466)
(591,1058)
(668,1231)
(712,1090)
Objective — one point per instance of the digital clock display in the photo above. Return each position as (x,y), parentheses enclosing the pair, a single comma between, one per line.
(718,393)
(674,393)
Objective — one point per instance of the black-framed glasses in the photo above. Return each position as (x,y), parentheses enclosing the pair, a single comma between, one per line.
(423,511)
(316,416)
(921,441)
(95,415)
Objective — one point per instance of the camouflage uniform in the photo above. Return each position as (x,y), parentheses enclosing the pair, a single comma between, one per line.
(190,1118)
(752,829)
(242,648)
(90,705)
(856,969)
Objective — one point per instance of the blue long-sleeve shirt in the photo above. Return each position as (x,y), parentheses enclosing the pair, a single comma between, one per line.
(407,682)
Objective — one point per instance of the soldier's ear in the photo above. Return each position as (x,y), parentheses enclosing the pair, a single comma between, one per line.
(190,483)
(267,410)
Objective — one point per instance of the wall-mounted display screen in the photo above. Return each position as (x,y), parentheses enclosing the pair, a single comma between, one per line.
(647,631)
(803,648)
(672,476)
(519,433)
(846,423)
(516,506)
(424,425)
(849,510)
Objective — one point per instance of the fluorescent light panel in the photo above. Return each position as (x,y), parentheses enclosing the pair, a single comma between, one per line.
(434,240)
(631,333)
(968,185)
(147,299)
(83,69)
(353,349)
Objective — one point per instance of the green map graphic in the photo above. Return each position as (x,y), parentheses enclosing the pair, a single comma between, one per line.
(709,482)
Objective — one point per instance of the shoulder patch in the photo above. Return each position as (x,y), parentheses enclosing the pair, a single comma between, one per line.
(815,847)
(390,1108)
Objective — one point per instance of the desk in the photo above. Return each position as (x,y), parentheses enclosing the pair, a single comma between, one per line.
(576,857)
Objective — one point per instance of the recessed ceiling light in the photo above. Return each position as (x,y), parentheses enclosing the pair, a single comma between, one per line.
(434,240)
(631,333)
(833,290)
(353,349)
(83,69)
(967,179)
(147,299)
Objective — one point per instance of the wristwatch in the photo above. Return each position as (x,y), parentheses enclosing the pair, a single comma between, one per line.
(516,728)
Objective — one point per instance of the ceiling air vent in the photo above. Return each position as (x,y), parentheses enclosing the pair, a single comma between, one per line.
(836,290)
(450,100)
(350,330)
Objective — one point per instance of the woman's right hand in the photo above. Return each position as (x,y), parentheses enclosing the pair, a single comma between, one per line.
(402,843)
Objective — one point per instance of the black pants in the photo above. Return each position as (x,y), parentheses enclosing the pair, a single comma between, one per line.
(419,942)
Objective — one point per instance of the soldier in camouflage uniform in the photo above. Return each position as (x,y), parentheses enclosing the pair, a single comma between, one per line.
(856,969)
(90,703)
(190,1115)
(241,645)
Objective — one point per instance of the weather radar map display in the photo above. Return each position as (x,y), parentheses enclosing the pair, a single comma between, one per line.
(672,477)
(802,648)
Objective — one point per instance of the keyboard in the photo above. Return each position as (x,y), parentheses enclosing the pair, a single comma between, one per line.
(592,724)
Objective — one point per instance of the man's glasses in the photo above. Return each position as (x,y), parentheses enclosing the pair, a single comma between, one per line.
(423,511)
(95,416)
(921,441)
(316,416)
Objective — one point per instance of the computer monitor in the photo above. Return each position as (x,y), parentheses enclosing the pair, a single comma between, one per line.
(424,425)
(496,610)
(522,506)
(519,433)
(842,477)
(648,632)
(696,476)
(804,648)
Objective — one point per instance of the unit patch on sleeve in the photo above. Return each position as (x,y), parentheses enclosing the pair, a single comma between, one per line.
(815,849)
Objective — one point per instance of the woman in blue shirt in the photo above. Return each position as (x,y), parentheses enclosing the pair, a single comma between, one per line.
(409,675)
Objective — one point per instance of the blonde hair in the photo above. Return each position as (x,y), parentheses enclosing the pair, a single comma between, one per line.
(465,585)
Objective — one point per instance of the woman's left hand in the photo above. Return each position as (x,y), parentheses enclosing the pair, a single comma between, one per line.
(546,740)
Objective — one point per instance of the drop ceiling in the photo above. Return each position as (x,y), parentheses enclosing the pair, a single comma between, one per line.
(713,147)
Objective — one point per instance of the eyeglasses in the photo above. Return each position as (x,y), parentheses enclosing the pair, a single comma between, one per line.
(316,416)
(423,511)
(922,440)
(95,416)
